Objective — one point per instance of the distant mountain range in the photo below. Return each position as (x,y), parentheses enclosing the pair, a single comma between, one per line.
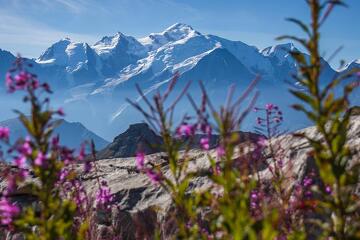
(92,82)
(72,134)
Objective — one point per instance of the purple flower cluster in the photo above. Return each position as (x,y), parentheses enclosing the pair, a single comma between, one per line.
(104,196)
(19,79)
(273,114)
(8,211)
(255,202)
(188,130)
(153,175)
(4,134)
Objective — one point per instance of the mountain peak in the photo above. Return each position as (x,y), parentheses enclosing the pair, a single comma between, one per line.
(65,39)
(350,65)
(110,41)
(108,44)
(278,49)
(179,31)
(56,52)
(173,33)
(138,136)
(179,27)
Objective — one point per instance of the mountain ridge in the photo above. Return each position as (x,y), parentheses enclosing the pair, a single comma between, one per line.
(92,82)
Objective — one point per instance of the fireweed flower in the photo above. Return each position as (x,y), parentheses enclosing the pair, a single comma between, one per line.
(269,106)
(60,112)
(185,130)
(103,196)
(204,142)
(14,178)
(20,161)
(63,174)
(8,211)
(307,181)
(9,81)
(40,159)
(4,133)
(254,199)
(262,142)
(328,189)
(24,80)
(154,176)
(25,148)
(140,161)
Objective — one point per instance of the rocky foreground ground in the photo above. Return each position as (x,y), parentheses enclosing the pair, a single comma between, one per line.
(141,202)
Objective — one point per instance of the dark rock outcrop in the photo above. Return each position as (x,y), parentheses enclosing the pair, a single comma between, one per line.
(138,136)
(355,110)
(141,137)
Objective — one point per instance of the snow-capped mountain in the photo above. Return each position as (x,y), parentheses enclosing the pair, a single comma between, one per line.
(174,33)
(96,79)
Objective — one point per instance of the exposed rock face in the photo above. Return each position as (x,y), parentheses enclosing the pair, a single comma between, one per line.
(138,198)
(140,136)
(355,111)
(137,136)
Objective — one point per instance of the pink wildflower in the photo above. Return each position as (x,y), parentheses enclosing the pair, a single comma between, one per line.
(261,142)
(185,130)
(63,174)
(307,182)
(4,133)
(20,161)
(154,177)
(204,142)
(140,161)
(103,196)
(25,148)
(269,106)
(60,112)
(21,80)
(9,82)
(40,159)
(328,189)
(254,199)
(7,211)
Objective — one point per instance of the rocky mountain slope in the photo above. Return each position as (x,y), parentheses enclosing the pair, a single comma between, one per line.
(138,197)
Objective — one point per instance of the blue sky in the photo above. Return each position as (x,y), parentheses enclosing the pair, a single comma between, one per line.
(30,26)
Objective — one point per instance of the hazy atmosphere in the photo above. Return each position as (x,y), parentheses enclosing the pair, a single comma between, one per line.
(179,119)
